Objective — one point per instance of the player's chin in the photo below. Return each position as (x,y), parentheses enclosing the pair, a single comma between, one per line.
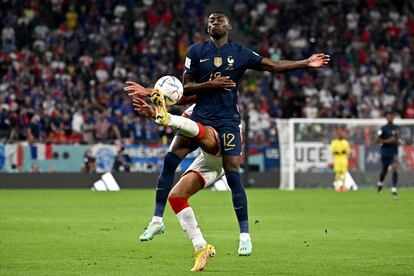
(216,34)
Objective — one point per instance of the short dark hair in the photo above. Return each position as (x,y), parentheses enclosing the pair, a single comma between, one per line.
(223,13)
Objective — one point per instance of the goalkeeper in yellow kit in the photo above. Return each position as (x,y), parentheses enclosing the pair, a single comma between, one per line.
(340,149)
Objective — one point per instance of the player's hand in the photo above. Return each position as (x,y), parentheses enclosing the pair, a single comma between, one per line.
(223,82)
(134,89)
(318,60)
(143,108)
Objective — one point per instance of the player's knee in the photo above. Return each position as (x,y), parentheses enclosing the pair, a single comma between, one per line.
(180,146)
(177,203)
(231,164)
(180,153)
(210,142)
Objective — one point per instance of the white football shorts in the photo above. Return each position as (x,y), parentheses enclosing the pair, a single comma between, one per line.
(209,167)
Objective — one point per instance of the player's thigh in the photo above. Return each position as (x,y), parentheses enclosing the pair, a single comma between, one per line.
(231,147)
(189,184)
(230,140)
(210,143)
(209,167)
(340,167)
(386,161)
(394,166)
(181,146)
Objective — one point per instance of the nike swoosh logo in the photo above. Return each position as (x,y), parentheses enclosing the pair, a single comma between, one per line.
(202,60)
(227,149)
(237,208)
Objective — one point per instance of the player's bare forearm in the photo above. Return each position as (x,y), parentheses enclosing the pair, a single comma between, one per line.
(315,61)
(391,140)
(282,65)
(134,89)
(193,88)
(143,108)
(187,100)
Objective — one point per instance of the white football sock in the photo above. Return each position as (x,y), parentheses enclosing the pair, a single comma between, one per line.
(245,237)
(156,220)
(189,223)
(379,183)
(185,126)
(393,189)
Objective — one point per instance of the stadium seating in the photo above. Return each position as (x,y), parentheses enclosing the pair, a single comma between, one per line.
(63,65)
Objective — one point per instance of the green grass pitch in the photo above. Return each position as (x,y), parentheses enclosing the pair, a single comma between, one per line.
(305,232)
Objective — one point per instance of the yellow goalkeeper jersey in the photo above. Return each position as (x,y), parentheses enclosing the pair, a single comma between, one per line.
(340,149)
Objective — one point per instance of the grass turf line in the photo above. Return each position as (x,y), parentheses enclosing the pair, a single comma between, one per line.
(308,232)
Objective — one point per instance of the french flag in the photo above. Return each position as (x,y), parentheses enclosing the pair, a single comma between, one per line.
(41,151)
(14,155)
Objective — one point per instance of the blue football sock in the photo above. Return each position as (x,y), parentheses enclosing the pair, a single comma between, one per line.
(383,173)
(394,179)
(239,199)
(165,182)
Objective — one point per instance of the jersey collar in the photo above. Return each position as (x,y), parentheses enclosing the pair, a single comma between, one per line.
(214,45)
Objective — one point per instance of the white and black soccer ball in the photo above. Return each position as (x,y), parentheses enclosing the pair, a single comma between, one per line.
(171,87)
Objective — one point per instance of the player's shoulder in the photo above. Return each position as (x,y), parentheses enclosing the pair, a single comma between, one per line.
(239,47)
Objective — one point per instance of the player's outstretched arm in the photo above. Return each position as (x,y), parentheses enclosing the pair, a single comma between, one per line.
(192,88)
(134,89)
(184,100)
(143,108)
(391,140)
(315,61)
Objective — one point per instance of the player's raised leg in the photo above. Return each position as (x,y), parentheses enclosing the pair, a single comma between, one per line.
(188,185)
(206,136)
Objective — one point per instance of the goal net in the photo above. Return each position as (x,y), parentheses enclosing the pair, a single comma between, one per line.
(306,160)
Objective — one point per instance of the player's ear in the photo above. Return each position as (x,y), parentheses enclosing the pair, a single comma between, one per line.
(230,27)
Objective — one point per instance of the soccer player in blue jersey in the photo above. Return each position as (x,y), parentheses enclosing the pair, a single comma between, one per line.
(212,71)
(388,138)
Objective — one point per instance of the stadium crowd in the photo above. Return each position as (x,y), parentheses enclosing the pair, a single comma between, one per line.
(63,63)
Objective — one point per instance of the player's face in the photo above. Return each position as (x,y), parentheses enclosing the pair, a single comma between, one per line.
(390,118)
(218,25)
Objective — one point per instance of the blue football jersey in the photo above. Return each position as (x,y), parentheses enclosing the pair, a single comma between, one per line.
(205,62)
(386,132)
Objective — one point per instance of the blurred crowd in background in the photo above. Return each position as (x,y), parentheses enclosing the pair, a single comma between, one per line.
(63,63)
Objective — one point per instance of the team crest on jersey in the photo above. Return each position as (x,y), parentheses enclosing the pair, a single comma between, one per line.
(218,61)
(230,63)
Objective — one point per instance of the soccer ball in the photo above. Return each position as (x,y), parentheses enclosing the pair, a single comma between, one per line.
(171,87)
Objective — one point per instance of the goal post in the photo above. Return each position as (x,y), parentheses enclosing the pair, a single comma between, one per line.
(305,159)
